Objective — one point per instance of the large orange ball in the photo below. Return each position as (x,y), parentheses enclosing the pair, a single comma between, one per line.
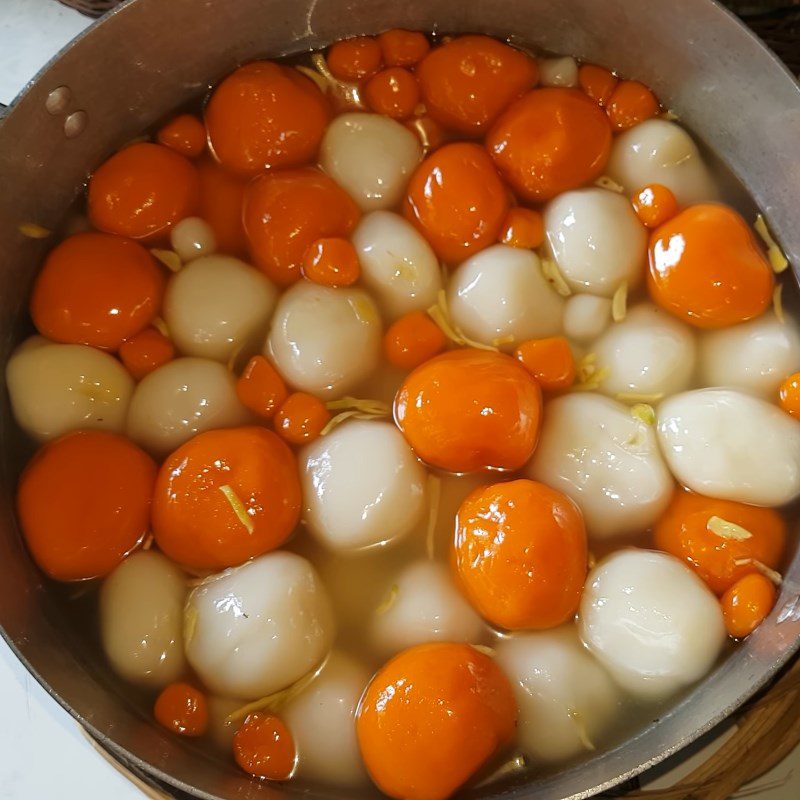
(468,410)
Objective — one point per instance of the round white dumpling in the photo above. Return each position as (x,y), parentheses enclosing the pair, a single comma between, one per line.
(501,293)
(561,71)
(184,397)
(567,700)
(755,356)
(362,486)
(586,316)
(370,156)
(256,629)
(397,265)
(322,723)
(653,623)
(660,151)
(606,460)
(649,352)
(192,238)
(323,340)
(726,444)
(217,306)
(596,240)
(141,619)
(424,605)
(57,388)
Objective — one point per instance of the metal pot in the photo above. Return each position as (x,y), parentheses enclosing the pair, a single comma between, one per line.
(149,57)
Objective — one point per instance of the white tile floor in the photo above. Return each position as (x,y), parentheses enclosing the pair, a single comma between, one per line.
(35,729)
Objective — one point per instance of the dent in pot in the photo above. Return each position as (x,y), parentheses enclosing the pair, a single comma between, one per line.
(660,151)
(322,722)
(180,399)
(256,629)
(141,619)
(727,444)
(567,701)
(371,157)
(397,265)
(649,352)
(606,460)
(501,293)
(596,240)
(362,486)
(754,356)
(58,388)
(324,341)
(653,623)
(217,306)
(424,605)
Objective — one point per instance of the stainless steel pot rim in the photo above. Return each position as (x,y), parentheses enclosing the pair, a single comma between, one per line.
(752,674)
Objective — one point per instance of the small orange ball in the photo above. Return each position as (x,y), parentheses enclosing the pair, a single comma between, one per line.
(301,418)
(84,503)
(263,747)
(185,134)
(598,82)
(142,191)
(457,201)
(683,532)
(520,554)
(630,103)
(654,205)
(522,227)
(431,717)
(97,289)
(403,48)
(261,388)
(707,268)
(550,361)
(469,80)
(549,141)
(263,116)
(747,604)
(412,340)
(393,92)
(286,211)
(469,410)
(182,709)
(355,59)
(332,262)
(789,395)
(145,352)
(226,496)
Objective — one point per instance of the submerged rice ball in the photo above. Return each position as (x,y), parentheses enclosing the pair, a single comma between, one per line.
(322,723)
(730,445)
(141,619)
(424,605)
(58,388)
(660,151)
(586,316)
(501,293)
(324,340)
(217,306)
(397,265)
(596,240)
(256,629)
(754,356)
(606,460)
(371,157)
(362,486)
(180,399)
(567,700)
(649,352)
(653,623)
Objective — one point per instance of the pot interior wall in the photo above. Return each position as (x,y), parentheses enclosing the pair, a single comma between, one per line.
(152,56)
